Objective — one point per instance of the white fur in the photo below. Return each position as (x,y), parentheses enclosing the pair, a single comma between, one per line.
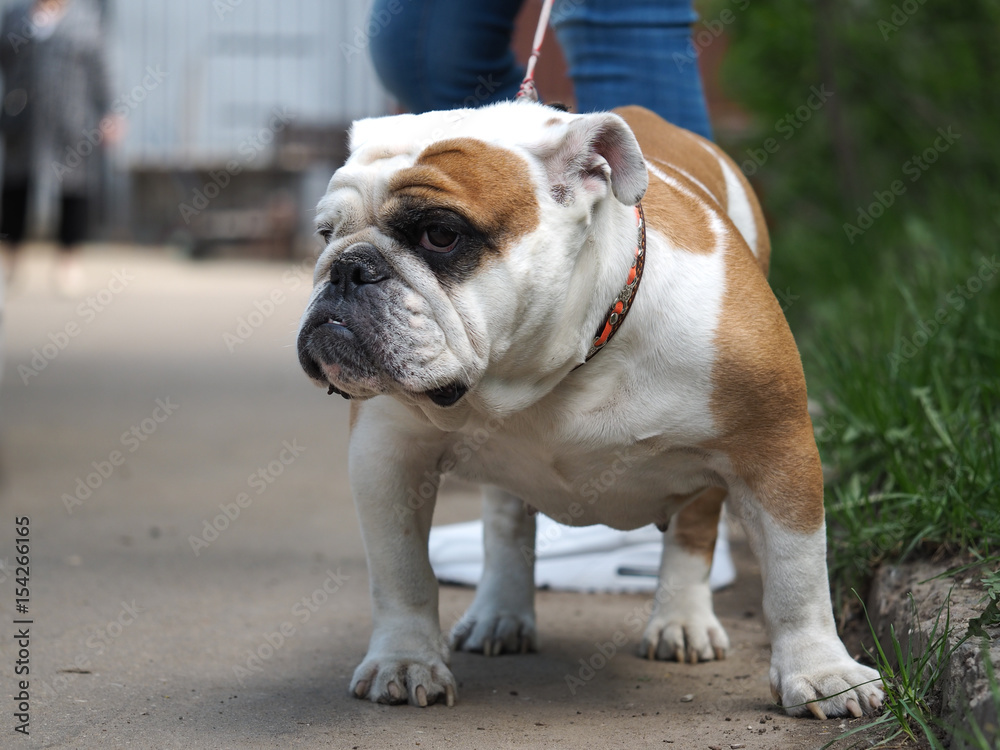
(502,616)
(692,178)
(810,668)
(738,208)
(683,624)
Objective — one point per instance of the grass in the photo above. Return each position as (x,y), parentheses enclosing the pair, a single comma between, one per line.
(913,442)
(910,673)
(902,353)
(901,345)
(897,325)
(991,611)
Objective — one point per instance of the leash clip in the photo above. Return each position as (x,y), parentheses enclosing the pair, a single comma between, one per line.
(528,90)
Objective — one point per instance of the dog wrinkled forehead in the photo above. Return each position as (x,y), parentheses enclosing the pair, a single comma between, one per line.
(466,161)
(567,155)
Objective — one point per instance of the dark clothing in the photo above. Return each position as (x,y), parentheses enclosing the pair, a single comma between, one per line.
(441,54)
(55,94)
(74,215)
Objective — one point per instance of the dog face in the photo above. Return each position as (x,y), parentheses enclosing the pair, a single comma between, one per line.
(455,258)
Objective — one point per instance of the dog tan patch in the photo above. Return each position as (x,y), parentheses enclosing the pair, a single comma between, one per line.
(759,398)
(681,216)
(697,524)
(490,186)
(694,162)
(666,144)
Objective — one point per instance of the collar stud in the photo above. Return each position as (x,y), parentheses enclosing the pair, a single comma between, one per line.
(623,302)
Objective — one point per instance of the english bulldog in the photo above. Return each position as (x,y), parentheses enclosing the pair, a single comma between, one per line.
(532,299)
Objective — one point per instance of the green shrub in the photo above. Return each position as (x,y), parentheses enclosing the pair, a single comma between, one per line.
(883,199)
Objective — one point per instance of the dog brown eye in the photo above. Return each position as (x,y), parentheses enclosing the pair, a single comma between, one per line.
(438,239)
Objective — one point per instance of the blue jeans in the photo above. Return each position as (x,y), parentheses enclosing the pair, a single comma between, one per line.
(442,54)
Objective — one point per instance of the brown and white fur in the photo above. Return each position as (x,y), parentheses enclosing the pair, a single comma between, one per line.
(700,395)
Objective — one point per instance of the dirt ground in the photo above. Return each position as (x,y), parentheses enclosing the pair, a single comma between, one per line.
(131,414)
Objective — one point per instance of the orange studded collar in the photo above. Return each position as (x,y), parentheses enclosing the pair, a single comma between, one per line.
(623,302)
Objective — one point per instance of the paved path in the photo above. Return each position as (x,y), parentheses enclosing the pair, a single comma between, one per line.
(138,640)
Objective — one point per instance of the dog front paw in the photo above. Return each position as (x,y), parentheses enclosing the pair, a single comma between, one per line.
(419,680)
(684,627)
(494,631)
(825,683)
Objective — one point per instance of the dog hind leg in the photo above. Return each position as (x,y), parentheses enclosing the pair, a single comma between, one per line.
(501,618)
(683,625)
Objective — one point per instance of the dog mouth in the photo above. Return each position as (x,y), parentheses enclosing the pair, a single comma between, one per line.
(336,325)
(331,350)
(449,395)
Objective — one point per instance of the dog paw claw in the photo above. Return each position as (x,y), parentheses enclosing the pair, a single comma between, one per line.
(495,633)
(419,681)
(816,710)
(834,687)
(361,689)
(394,691)
(853,708)
(685,639)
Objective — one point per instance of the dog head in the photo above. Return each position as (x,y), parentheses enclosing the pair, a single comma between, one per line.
(460,253)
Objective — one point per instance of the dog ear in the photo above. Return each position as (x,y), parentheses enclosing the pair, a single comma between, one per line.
(590,152)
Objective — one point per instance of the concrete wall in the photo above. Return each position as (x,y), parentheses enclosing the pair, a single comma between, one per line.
(228,67)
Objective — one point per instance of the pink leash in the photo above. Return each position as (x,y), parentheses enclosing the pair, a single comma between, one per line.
(528,84)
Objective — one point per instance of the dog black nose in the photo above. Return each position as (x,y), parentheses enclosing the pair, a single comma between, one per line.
(358,266)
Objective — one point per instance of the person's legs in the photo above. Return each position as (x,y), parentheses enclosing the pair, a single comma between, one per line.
(74,222)
(443,54)
(633,52)
(13,220)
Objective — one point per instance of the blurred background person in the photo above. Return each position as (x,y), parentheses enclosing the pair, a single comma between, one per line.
(54,119)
